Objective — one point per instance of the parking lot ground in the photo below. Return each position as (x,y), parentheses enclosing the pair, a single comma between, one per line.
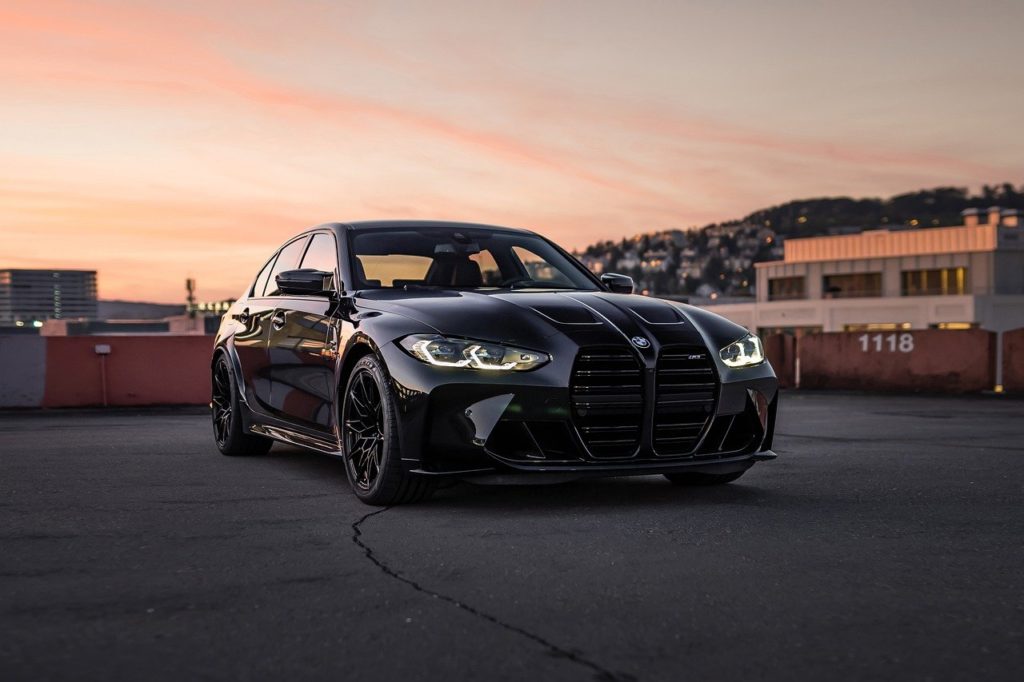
(887,541)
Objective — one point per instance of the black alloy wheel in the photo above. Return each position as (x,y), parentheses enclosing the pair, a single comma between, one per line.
(221,403)
(364,430)
(370,440)
(228,430)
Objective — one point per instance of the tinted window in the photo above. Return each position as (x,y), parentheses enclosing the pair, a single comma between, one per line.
(261,279)
(321,254)
(461,258)
(287,259)
(859,285)
(786,288)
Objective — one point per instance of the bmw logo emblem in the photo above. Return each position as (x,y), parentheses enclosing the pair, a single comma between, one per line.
(640,342)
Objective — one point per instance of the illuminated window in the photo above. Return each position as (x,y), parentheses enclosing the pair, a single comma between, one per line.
(876,327)
(857,285)
(787,288)
(938,282)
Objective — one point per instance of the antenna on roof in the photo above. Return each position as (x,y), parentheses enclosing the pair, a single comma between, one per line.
(190,287)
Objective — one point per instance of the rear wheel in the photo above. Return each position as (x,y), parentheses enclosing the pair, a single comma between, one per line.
(228,430)
(695,478)
(370,439)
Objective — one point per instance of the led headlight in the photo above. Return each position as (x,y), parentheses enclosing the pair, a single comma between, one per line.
(447,352)
(743,353)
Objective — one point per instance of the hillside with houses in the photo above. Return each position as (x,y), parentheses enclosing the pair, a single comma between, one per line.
(717,261)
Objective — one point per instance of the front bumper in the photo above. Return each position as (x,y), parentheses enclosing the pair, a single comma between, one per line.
(458,422)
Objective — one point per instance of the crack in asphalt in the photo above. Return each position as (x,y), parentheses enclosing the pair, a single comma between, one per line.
(601,673)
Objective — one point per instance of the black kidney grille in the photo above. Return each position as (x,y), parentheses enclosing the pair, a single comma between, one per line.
(687,389)
(608,401)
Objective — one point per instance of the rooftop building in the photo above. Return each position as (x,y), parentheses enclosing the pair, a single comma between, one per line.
(970,275)
(29,297)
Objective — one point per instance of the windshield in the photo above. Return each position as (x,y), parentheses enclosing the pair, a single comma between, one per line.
(461,258)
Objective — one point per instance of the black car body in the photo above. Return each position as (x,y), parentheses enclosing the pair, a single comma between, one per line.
(525,364)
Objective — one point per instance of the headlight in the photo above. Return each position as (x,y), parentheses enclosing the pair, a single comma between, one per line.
(743,353)
(446,352)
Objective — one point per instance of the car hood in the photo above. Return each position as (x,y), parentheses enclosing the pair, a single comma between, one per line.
(528,318)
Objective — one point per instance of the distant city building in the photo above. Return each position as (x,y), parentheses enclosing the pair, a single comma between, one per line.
(138,318)
(29,297)
(137,310)
(959,277)
(104,327)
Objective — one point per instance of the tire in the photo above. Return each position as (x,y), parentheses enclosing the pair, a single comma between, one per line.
(694,478)
(369,425)
(228,430)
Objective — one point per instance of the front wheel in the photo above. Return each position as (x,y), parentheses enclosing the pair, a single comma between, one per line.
(369,425)
(695,478)
(228,430)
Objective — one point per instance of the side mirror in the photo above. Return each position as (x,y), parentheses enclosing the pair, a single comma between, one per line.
(617,284)
(305,282)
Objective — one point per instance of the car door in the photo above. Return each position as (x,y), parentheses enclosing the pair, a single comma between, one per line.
(252,341)
(304,342)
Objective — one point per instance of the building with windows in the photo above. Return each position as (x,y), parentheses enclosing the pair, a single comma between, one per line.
(29,297)
(970,275)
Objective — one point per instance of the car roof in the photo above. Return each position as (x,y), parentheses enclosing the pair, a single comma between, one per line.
(405,224)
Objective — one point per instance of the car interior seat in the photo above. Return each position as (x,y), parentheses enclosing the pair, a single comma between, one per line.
(454,272)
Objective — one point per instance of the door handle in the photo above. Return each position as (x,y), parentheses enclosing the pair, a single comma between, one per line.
(277,320)
(330,349)
(243,316)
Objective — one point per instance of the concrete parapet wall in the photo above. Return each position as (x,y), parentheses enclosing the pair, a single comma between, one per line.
(139,370)
(781,351)
(936,361)
(175,370)
(67,371)
(22,371)
(1013,361)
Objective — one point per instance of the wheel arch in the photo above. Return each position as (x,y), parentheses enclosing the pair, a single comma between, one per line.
(224,349)
(358,349)
(217,352)
(409,432)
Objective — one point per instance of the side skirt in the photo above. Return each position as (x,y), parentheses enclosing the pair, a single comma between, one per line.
(302,440)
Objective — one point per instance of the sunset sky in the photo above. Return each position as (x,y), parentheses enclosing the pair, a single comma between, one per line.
(159,140)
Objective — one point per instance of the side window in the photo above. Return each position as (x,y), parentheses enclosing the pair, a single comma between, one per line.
(288,259)
(261,279)
(321,254)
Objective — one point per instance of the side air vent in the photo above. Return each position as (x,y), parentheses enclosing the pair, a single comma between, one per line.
(608,401)
(687,391)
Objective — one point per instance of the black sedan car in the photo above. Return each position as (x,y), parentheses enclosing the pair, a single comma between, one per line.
(424,351)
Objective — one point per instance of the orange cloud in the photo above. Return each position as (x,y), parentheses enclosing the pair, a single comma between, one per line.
(219,175)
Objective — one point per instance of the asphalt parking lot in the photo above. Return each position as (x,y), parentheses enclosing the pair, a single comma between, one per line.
(887,541)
